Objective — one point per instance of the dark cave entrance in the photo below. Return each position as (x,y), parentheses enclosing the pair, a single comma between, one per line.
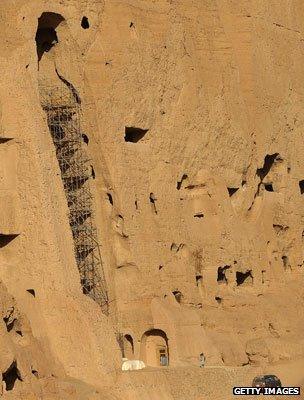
(46,35)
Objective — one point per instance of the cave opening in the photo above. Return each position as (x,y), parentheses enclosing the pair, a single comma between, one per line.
(85,22)
(244,278)
(6,239)
(268,187)
(232,190)
(268,163)
(46,35)
(11,375)
(133,134)
(221,274)
(178,295)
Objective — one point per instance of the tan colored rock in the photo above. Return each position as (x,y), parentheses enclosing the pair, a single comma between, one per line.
(169,133)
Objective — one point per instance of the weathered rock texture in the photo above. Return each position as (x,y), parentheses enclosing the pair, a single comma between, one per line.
(192,121)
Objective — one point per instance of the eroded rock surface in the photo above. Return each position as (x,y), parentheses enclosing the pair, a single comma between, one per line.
(179,210)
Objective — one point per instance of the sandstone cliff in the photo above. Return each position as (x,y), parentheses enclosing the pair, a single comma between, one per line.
(152,196)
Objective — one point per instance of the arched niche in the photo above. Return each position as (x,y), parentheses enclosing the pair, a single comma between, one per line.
(128,345)
(154,349)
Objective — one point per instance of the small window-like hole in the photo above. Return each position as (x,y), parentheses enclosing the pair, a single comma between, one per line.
(199,215)
(6,239)
(32,292)
(19,333)
(268,187)
(9,322)
(268,163)
(178,295)
(285,261)
(85,23)
(301,185)
(93,175)
(199,280)
(221,274)
(160,267)
(218,299)
(232,190)
(110,198)
(179,183)
(243,278)
(133,134)
(85,138)
(35,373)
(4,140)
(153,199)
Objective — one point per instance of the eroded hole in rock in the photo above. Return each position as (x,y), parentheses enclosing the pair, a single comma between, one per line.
(244,183)
(301,186)
(136,204)
(218,299)
(32,292)
(85,23)
(131,25)
(198,215)
(110,198)
(285,261)
(11,375)
(263,276)
(35,373)
(198,280)
(176,247)
(244,278)
(93,172)
(221,274)
(153,199)
(6,239)
(179,183)
(280,228)
(19,333)
(160,267)
(268,187)
(133,134)
(268,163)
(5,140)
(10,319)
(46,36)
(232,190)
(178,295)
(85,138)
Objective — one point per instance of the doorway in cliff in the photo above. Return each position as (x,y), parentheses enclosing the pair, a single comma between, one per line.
(154,350)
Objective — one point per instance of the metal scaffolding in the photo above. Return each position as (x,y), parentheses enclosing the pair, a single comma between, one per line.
(63,118)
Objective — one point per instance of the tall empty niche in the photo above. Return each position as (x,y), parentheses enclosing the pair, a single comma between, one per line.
(62,106)
(63,118)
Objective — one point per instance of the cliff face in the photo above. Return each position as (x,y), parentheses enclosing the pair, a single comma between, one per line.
(180,123)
